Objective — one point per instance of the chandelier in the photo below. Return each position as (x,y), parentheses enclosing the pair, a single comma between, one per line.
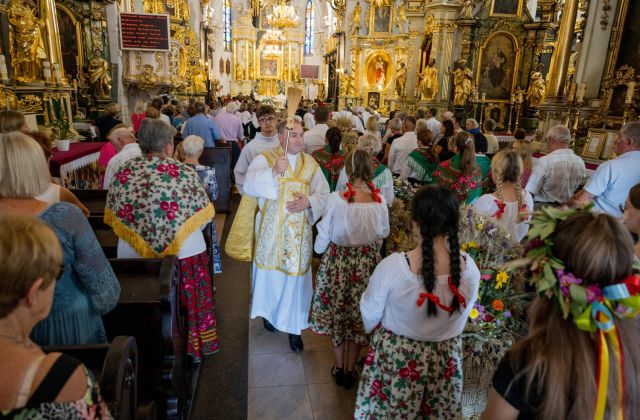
(274,36)
(283,15)
(271,52)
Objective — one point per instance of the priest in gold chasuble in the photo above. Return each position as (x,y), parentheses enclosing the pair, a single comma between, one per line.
(291,192)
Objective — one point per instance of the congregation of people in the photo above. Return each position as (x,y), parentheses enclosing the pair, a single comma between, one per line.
(322,185)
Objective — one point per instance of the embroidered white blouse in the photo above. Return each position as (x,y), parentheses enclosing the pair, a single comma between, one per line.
(487,205)
(392,298)
(351,224)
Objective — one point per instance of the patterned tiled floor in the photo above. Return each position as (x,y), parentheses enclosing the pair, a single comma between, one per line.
(287,385)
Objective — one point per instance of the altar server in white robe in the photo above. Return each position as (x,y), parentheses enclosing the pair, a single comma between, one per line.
(291,192)
(265,139)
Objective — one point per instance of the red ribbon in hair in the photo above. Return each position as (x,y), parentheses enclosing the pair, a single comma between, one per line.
(633,284)
(501,207)
(457,294)
(350,193)
(433,298)
(375,192)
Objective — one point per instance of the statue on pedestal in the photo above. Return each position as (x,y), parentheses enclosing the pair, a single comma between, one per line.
(99,77)
(428,86)
(355,19)
(147,79)
(295,74)
(251,74)
(462,82)
(401,80)
(25,40)
(239,72)
(537,87)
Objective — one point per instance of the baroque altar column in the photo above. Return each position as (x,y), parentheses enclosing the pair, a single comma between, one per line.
(48,12)
(552,110)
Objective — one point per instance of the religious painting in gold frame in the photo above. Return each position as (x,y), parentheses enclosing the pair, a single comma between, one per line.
(595,142)
(498,113)
(506,8)
(607,151)
(71,44)
(378,70)
(380,17)
(498,62)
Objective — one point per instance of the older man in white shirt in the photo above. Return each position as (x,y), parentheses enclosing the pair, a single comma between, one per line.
(315,138)
(125,143)
(433,124)
(402,146)
(557,175)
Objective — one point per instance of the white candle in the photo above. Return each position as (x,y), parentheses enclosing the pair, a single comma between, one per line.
(2,59)
(582,89)
(56,66)
(58,75)
(630,91)
(46,64)
(484,96)
(46,73)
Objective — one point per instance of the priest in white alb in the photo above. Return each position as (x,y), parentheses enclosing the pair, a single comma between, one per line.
(291,192)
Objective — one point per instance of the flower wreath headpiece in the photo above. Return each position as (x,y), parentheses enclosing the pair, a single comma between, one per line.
(592,308)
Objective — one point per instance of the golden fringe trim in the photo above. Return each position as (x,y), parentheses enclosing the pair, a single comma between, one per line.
(136,241)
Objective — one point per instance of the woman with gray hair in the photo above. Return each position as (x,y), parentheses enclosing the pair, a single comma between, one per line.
(192,148)
(382,177)
(157,206)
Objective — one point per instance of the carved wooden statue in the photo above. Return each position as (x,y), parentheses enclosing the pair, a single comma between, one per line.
(428,86)
(239,72)
(462,82)
(401,80)
(355,19)
(99,78)
(25,40)
(537,87)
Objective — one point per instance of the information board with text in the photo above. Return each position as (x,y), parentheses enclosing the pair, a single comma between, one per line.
(144,31)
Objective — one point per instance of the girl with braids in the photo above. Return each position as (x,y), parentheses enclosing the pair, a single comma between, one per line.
(509,203)
(417,303)
(523,147)
(461,174)
(330,157)
(350,233)
(382,176)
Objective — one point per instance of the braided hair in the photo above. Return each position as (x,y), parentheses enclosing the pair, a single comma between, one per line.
(435,211)
(506,166)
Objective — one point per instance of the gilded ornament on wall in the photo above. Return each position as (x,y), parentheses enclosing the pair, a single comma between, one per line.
(147,79)
(30,104)
(99,78)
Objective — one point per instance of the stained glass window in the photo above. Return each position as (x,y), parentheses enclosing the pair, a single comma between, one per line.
(227,24)
(308,28)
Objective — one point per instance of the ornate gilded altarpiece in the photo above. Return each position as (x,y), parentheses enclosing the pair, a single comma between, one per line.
(622,70)
(71,34)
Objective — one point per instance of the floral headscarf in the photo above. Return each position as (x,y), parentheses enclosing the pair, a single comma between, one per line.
(155,203)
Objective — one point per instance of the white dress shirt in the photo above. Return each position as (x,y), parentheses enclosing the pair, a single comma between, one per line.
(309,121)
(392,294)
(611,182)
(128,152)
(259,144)
(434,126)
(315,138)
(351,224)
(556,176)
(400,149)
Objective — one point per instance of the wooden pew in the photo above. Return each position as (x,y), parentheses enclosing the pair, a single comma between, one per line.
(219,158)
(115,367)
(94,200)
(149,289)
(105,235)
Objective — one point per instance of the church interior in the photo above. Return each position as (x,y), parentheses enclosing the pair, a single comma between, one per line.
(515,69)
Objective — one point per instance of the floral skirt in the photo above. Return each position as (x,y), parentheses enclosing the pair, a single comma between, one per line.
(406,379)
(196,299)
(342,278)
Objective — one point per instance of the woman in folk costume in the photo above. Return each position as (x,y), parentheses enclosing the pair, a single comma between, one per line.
(581,356)
(382,177)
(158,208)
(509,203)
(417,304)
(423,161)
(461,174)
(353,224)
(330,157)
